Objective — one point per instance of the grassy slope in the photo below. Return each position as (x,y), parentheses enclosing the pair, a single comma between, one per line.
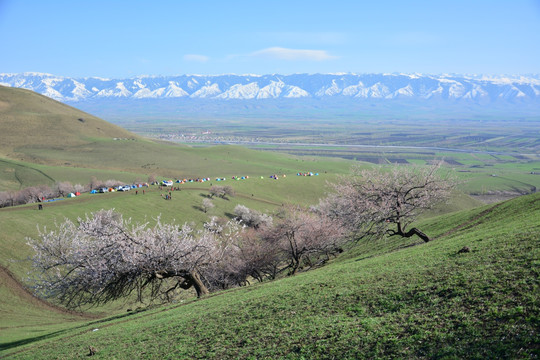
(20,313)
(43,141)
(19,222)
(27,118)
(85,150)
(379,300)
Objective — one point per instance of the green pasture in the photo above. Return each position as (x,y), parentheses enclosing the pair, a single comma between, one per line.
(185,206)
(179,161)
(17,175)
(393,298)
(134,160)
(18,223)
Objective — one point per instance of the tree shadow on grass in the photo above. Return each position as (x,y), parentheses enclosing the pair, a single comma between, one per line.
(14,344)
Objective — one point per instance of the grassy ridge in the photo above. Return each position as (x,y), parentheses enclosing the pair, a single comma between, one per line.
(381,300)
(42,141)
(27,118)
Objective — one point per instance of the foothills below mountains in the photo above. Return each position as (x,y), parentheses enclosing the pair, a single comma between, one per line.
(29,120)
(476,89)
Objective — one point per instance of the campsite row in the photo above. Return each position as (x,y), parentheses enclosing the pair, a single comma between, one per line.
(205,179)
(179,181)
(117,188)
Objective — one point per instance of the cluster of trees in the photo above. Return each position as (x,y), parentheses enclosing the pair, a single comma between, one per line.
(221,191)
(252,218)
(35,194)
(104,257)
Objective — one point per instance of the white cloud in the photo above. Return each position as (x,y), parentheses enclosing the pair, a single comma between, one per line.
(196,58)
(293,54)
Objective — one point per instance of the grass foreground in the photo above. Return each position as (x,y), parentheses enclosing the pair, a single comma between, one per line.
(388,299)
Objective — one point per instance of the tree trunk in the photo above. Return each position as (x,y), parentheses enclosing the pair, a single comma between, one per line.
(408,234)
(415,231)
(190,279)
(197,283)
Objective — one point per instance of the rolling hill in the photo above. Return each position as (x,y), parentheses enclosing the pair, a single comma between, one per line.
(44,141)
(391,298)
(28,119)
(387,299)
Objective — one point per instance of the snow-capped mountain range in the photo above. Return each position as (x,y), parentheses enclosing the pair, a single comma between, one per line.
(255,87)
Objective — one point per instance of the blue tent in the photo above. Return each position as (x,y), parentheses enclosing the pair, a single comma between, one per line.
(93,192)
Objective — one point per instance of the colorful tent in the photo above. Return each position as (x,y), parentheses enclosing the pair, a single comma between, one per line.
(71,195)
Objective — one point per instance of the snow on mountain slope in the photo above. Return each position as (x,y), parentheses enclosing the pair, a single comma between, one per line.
(272,90)
(118,91)
(258,87)
(209,90)
(239,91)
(295,92)
(174,91)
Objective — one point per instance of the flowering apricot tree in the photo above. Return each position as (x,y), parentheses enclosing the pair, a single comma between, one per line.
(375,202)
(104,257)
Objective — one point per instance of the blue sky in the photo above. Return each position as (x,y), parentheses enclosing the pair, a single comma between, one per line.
(127,38)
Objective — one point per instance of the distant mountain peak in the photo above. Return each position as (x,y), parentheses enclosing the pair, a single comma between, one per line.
(251,87)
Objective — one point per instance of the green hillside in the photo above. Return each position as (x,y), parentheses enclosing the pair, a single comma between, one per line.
(391,298)
(22,315)
(383,299)
(43,141)
(28,119)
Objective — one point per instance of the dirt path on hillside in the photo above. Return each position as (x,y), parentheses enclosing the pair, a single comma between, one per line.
(8,280)
(142,314)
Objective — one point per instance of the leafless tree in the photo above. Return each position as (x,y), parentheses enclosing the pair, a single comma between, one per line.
(229,191)
(113,183)
(7,198)
(27,195)
(104,257)
(377,202)
(10,196)
(216,191)
(207,204)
